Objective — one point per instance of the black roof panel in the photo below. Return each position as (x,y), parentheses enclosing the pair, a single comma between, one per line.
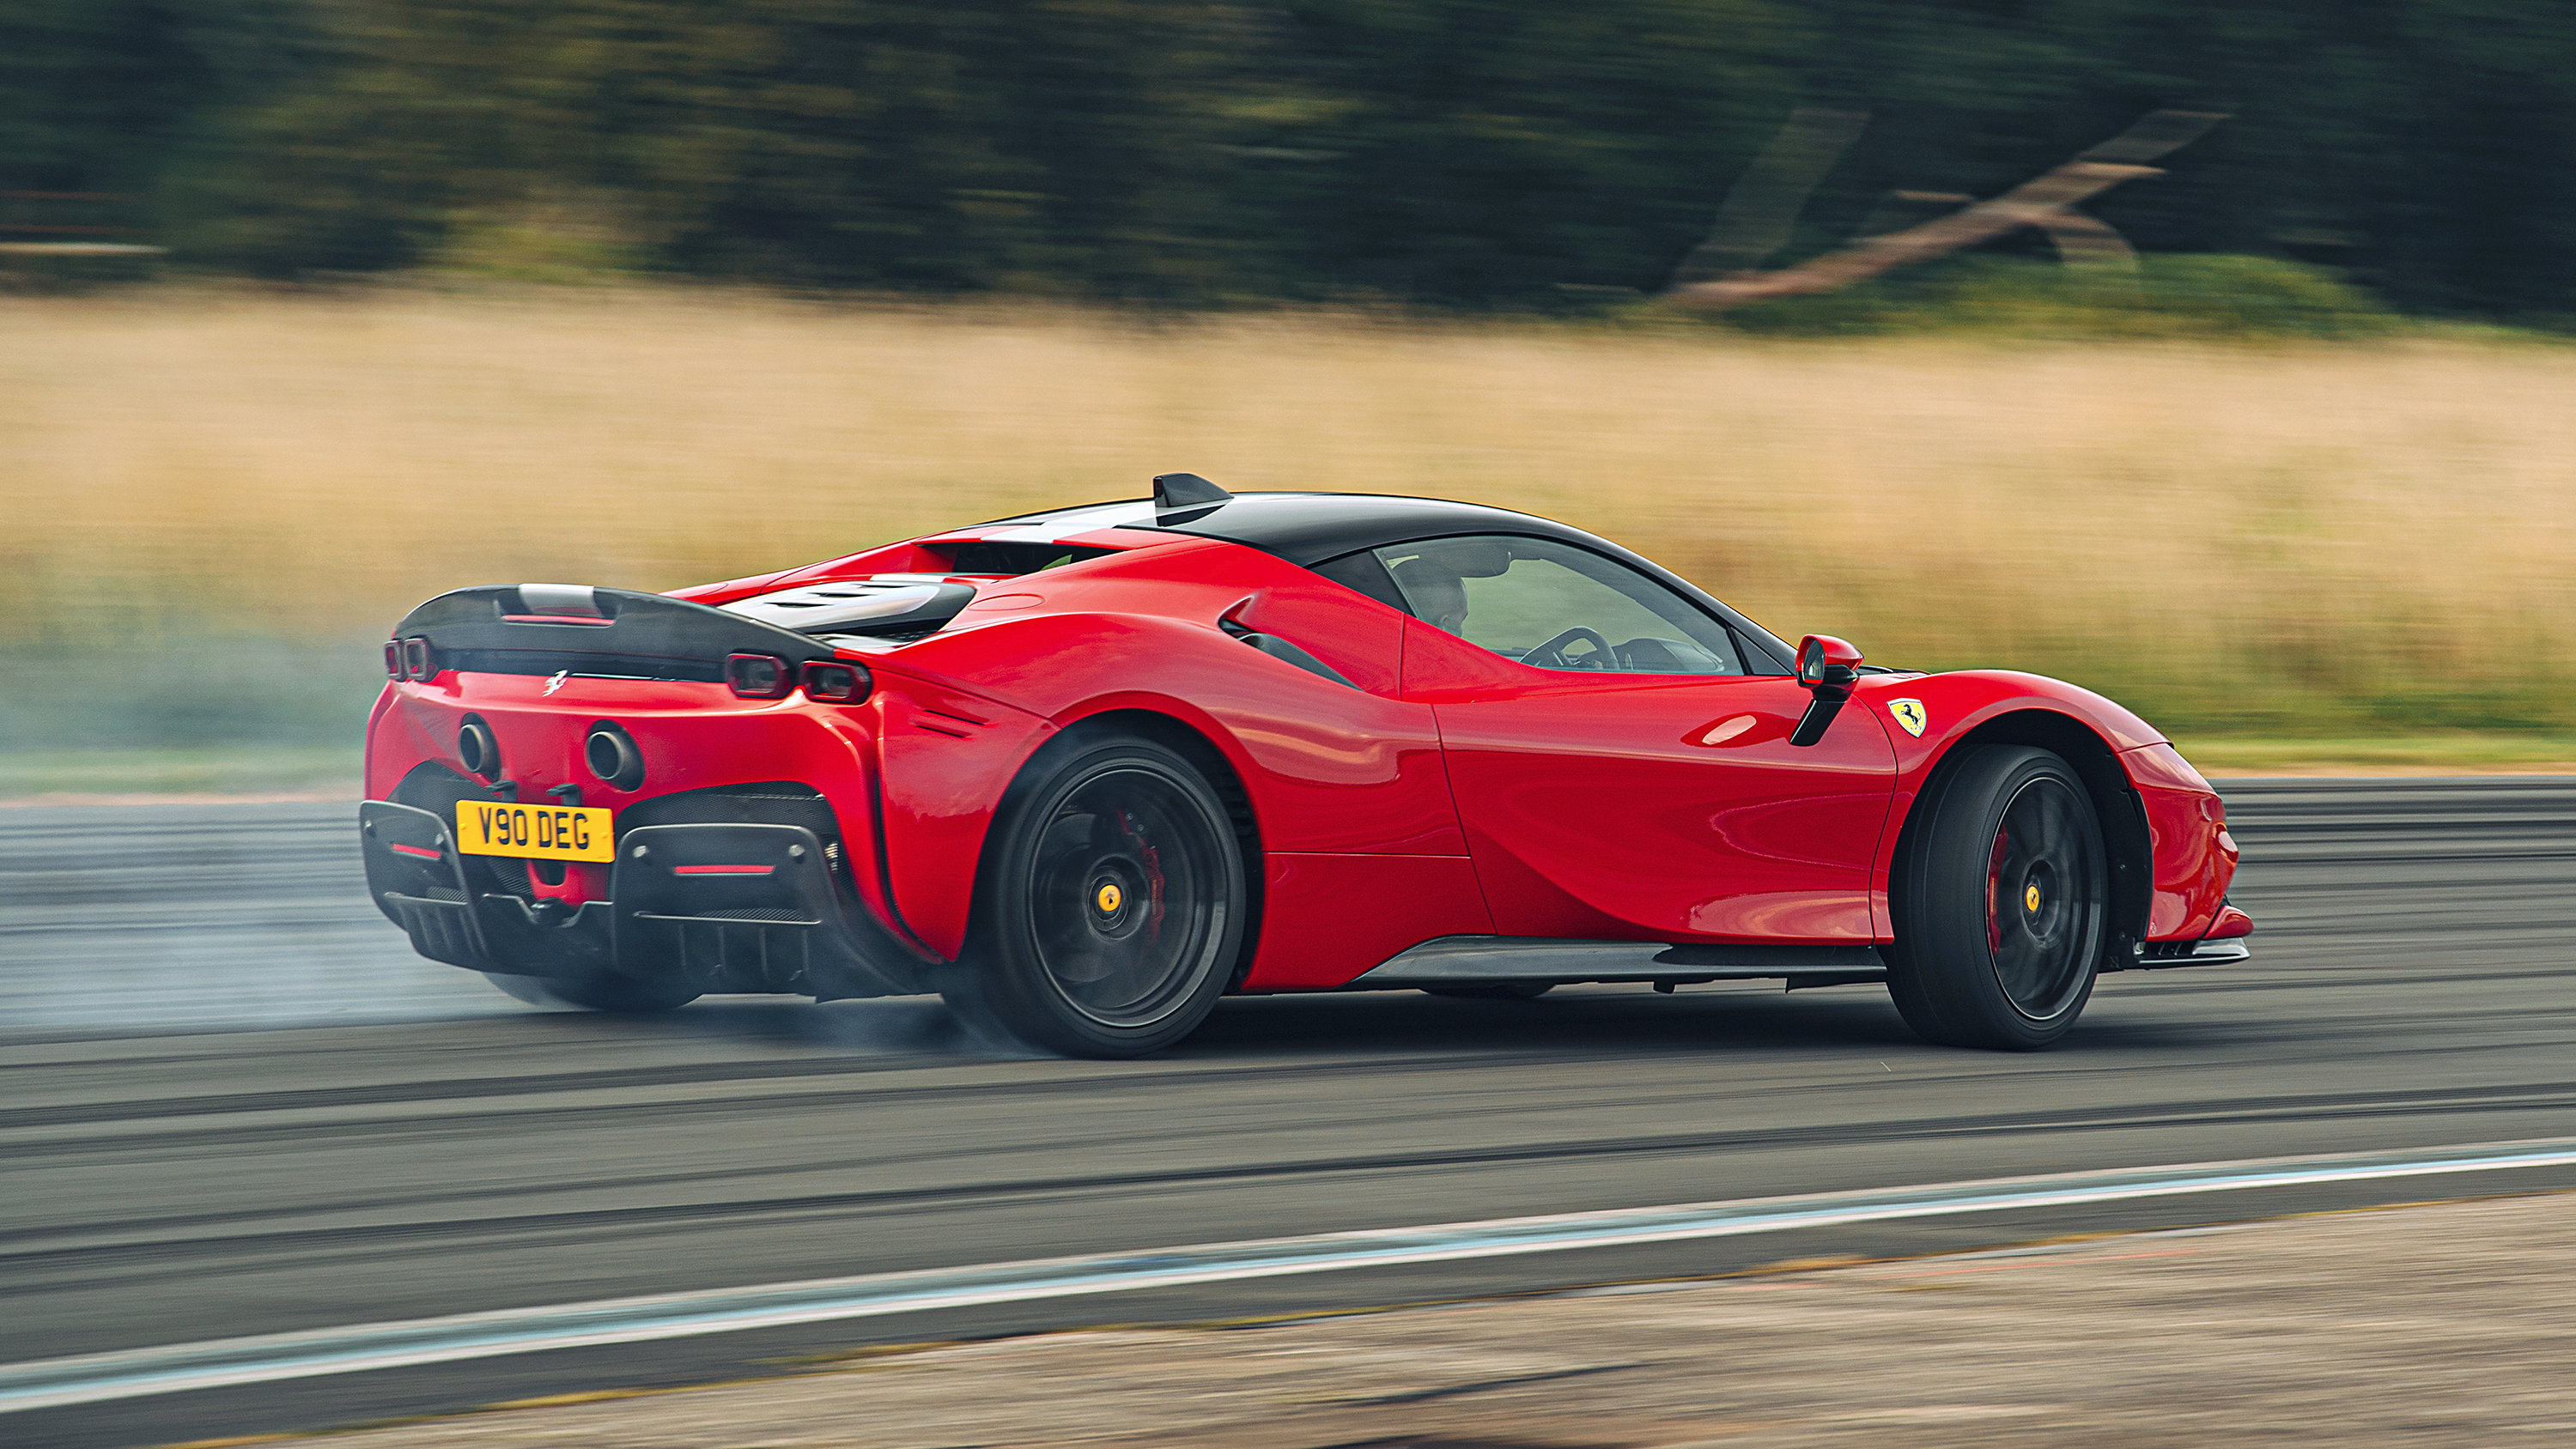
(1308,528)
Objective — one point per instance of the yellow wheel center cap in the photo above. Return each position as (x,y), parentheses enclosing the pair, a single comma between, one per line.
(1110,896)
(2030,899)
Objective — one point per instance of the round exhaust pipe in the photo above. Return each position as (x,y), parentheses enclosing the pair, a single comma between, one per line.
(611,754)
(478,749)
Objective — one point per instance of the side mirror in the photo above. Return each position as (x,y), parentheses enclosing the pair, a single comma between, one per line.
(1825,662)
(1827,667)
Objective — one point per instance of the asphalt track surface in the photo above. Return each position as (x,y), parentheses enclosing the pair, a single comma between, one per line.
(236,1105)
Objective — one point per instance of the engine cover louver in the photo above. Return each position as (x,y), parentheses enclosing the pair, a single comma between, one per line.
(886,604)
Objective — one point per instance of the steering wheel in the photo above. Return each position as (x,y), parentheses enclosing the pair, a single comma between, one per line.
(1551,655)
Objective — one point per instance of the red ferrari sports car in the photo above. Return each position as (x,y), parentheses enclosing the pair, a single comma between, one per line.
(1083,772)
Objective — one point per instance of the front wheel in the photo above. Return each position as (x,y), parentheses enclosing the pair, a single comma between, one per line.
(2002,904)
(1112,905)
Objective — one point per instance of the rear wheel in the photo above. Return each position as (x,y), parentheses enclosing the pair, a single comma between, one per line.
(1112,905)
(2002,904)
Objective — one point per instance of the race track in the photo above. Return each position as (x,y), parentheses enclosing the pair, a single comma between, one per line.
(382,1137)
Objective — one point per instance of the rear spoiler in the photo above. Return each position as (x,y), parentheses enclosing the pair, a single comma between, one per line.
(602,633)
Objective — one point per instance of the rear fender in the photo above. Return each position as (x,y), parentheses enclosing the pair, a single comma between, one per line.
(1317,919)
(945,755)
(1326,767)
(1342,801)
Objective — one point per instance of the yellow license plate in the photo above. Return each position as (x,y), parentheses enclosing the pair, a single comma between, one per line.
(536,832)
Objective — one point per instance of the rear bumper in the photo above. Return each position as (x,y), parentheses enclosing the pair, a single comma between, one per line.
(723,907)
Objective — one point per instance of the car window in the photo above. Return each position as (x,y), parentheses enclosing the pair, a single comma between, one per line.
(1555,606)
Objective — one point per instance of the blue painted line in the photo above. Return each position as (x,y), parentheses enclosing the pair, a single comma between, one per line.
(269,1358)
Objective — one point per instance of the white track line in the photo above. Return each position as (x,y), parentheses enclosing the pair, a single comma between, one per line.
(172,1368)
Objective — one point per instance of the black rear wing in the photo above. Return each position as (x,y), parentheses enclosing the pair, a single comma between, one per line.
(600,633)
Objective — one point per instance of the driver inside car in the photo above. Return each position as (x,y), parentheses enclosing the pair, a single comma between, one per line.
(1434,581)
(1554,607)
(1438,595)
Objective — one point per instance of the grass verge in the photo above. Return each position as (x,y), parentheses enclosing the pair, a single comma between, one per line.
(214,500)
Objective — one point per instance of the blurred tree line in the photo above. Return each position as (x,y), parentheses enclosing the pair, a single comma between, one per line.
(1470,152)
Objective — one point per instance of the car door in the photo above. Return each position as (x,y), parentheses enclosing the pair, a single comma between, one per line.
(1619,772)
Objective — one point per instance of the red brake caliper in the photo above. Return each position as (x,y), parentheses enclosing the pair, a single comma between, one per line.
(1994,879)
(1153,873)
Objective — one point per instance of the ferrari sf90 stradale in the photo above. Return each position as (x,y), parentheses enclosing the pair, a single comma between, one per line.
(1083,772)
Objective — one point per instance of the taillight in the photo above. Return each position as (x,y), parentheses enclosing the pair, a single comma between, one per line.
(416,659)
(393,658)
(836,683)
(759,676)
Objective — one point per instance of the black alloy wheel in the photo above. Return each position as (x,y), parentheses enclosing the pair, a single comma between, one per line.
(1111,909)
(2002,904)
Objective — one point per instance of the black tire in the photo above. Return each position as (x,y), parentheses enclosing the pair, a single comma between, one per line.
(616,994)
(1500,991)
(2002,904)
(1112,904)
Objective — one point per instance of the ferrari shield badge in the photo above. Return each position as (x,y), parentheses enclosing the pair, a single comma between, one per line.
(1909,714)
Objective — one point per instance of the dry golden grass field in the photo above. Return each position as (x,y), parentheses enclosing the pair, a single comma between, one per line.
(2347,539)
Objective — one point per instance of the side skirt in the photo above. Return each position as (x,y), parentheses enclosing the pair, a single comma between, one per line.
(1493,960)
